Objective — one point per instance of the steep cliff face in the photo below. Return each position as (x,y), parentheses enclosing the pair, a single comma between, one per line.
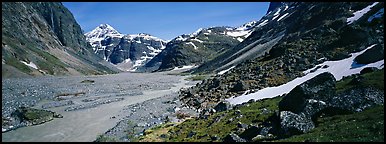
(43,38)
(128,52)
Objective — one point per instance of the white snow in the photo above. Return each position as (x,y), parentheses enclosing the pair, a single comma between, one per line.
(240,39)
(3,129)
(101,32)
(191,43)
(275,17)
(200,41)
(360,13)
(209,31)
(196,32)
(184,67)
(277,12)
(180,38)
(237,33)
(286,7)
(248,34)
(282,16)
(262,23)
(376,15)
(340,68)
(247,26)
(224,71)
(30,64)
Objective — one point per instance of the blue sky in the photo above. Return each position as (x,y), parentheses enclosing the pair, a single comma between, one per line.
(165,20)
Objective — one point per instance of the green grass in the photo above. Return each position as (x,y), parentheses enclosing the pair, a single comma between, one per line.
(362,126)
(374,79)
(104,138)
(205,128)
(366,126)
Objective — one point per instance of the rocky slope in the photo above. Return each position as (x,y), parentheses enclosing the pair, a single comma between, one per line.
(288,40)
(44,38)
(127,52)
(320,109)
(199,47)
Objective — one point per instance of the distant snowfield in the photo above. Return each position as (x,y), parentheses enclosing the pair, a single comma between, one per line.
(224,71)
(360,13)
(184,67)
(339,69)
(237,33)
(30,64)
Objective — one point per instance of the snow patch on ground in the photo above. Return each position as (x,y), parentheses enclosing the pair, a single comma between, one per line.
(200,41)
(191,43)
(277,12)
(180,38)
(240,39)
(224,71)
(30,64)
(360,13)
(339,69)
(282,16)
(184,67)
(262,23)
(237,33)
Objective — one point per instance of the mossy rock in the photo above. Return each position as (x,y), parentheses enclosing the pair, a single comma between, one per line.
(34,116)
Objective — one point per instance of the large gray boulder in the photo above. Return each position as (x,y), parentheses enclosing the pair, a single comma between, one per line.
(320,88)
(292,123)
(233,138)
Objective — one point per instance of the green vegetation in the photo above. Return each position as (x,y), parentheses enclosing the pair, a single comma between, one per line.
(219,124)
(157,134)
(361,126)
(34,116)
(50,62)
(374,79)
(104,138)
(366,126)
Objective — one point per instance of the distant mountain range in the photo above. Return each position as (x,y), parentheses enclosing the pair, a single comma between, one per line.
(143,52)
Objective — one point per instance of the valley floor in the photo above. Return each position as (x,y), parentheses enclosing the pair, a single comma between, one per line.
(90,105)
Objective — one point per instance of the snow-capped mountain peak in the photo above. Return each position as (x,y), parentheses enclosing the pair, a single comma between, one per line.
(101,32)
(247,26)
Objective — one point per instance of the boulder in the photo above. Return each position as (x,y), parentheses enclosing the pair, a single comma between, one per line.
(250,133)
(368,70)
(292,123)
(320,88)
(357,99)
(223,106)
(240,86)
(371,55)
(233,138)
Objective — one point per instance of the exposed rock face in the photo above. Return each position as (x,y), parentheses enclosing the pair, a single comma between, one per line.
(199,47)
(290,39)
(295,124)
(316,96)
(357,99)
(319,88)
(374,54)
(44,38)
(223,106)
(127,52)
(233,138)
